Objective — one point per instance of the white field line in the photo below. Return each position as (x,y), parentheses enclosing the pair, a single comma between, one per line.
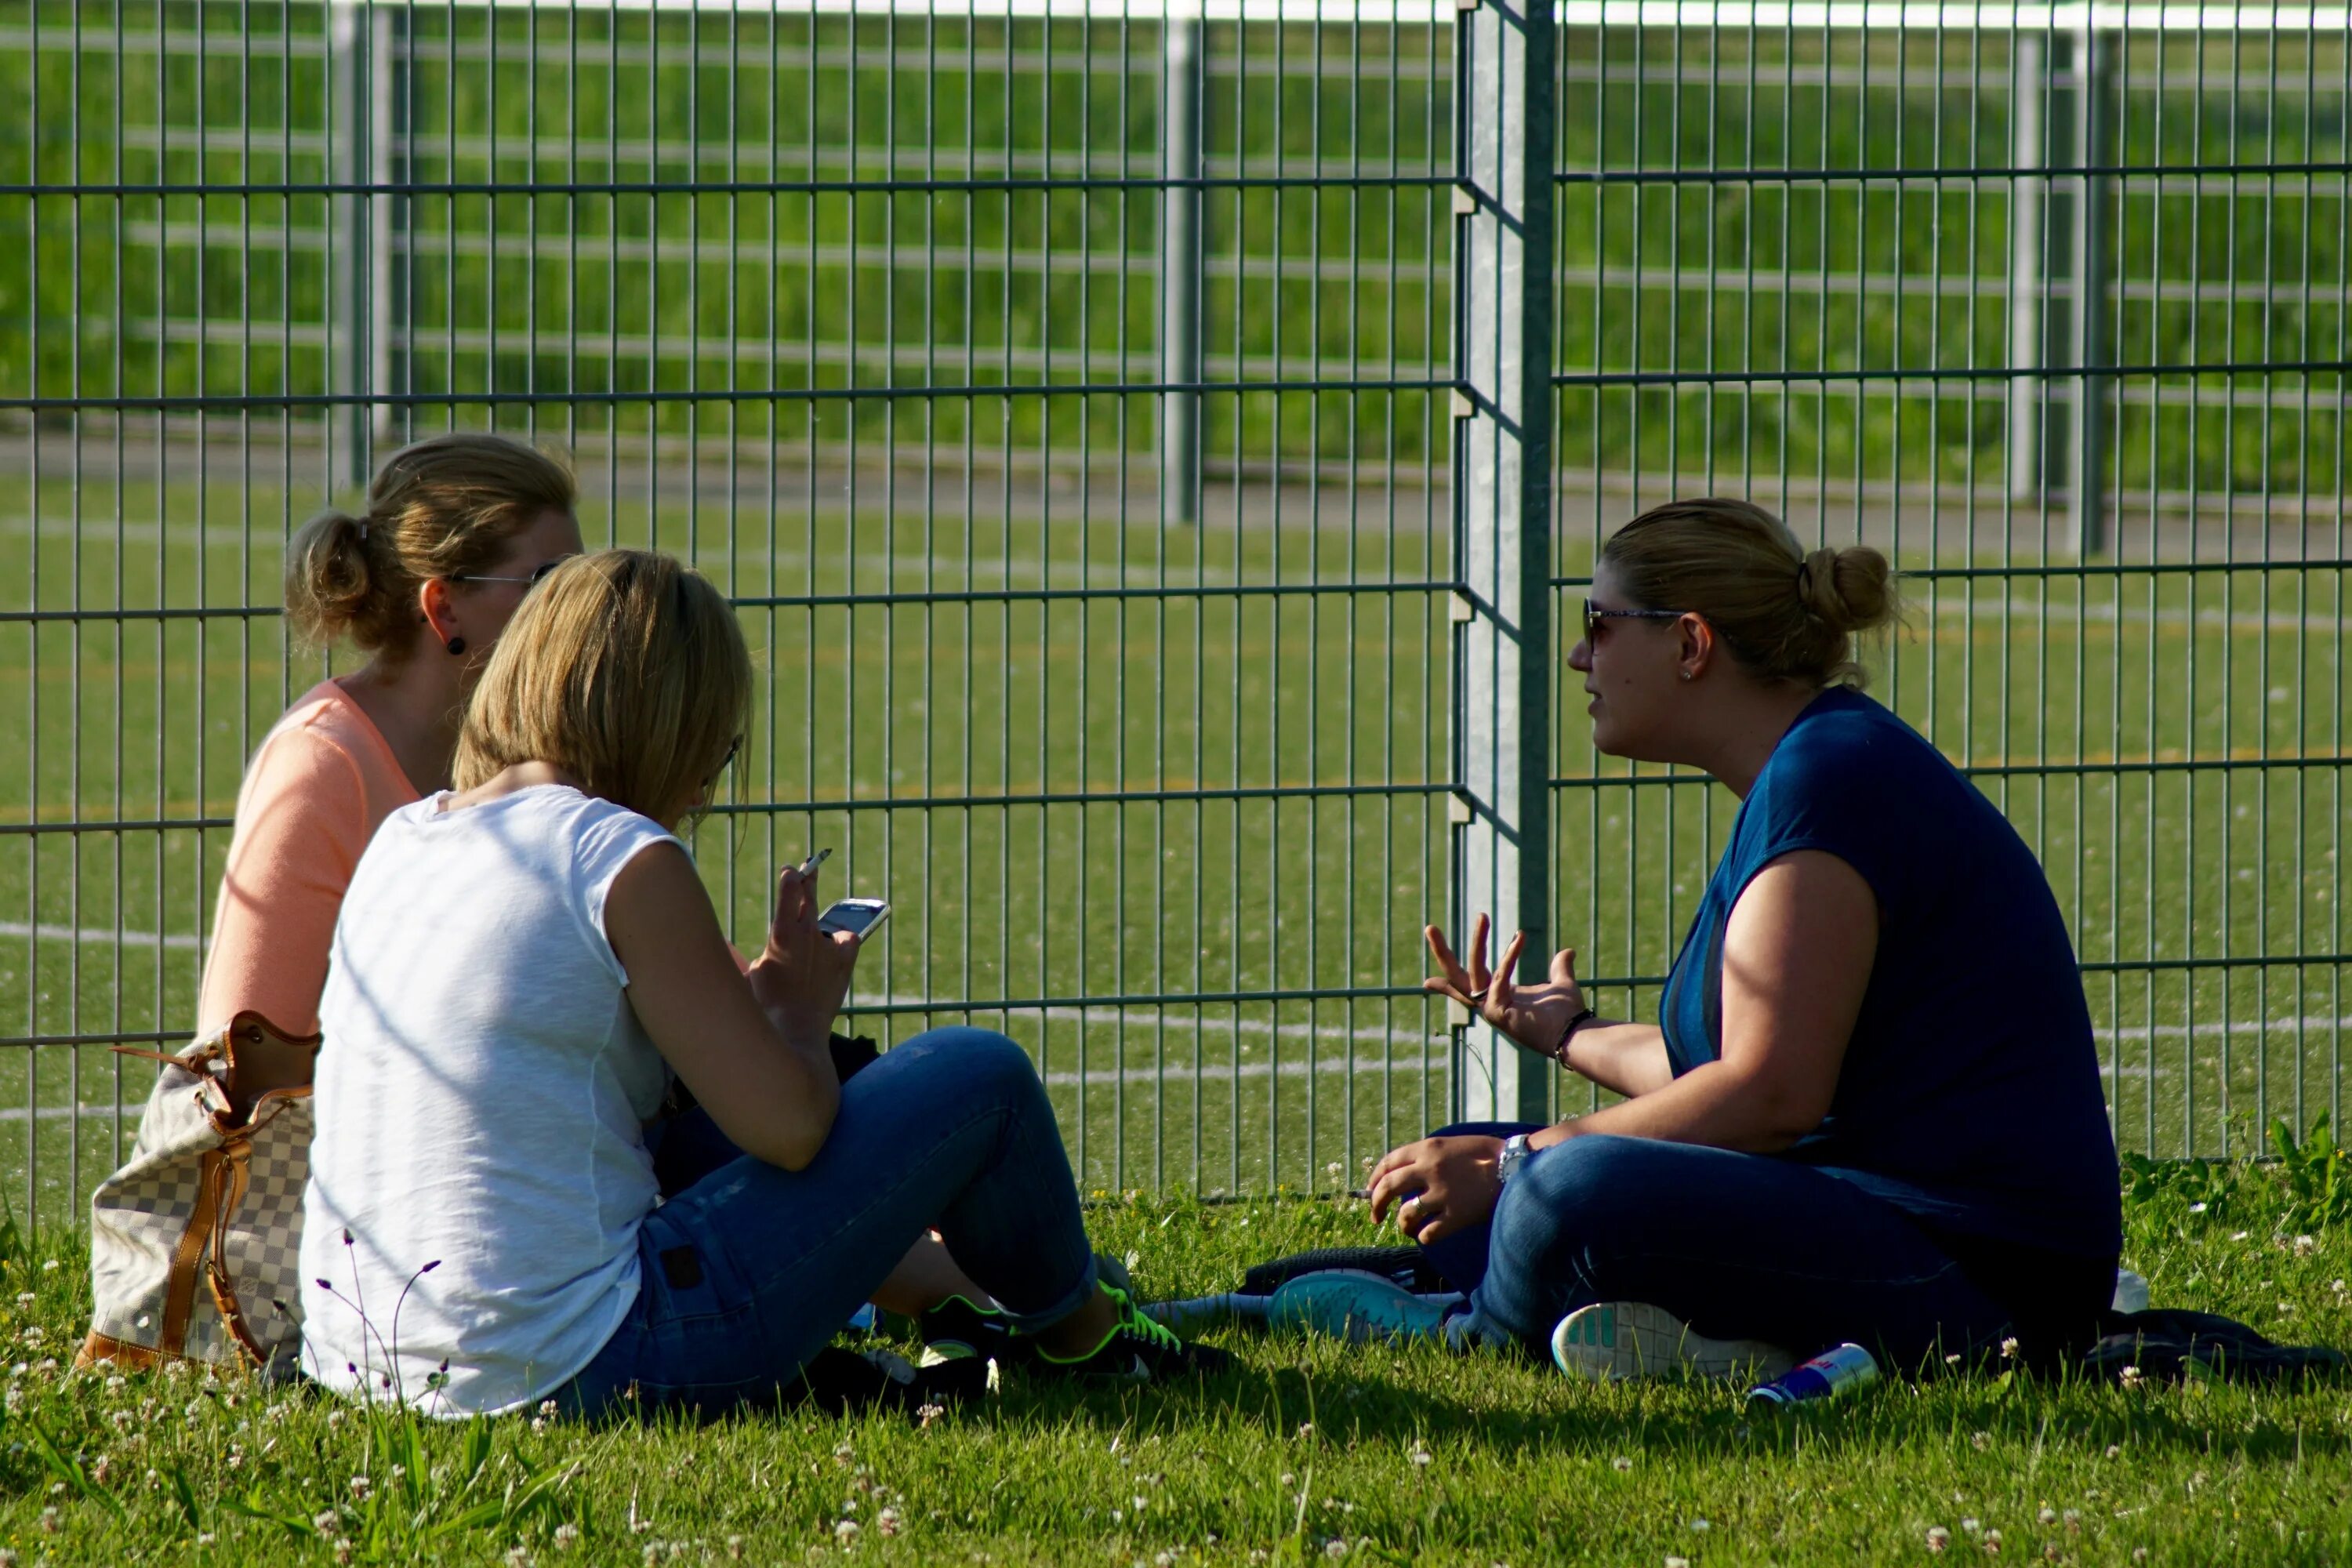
(49,931)
(1179,1074)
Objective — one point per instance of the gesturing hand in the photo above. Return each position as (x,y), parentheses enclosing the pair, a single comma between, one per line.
(802,973)
(1438,1186)
(1534,1015)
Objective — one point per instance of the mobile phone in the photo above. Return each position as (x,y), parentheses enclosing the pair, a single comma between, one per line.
(859,917)
(809,866)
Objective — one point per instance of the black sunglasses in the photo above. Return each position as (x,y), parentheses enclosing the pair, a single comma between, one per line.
(537,572)
(1594,615)
(725,763)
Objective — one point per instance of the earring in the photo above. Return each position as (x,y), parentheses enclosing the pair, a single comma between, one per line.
(1686,674)
(458,646)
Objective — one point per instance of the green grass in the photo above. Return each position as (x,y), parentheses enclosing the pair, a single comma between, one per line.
(1305,1444)
(1081,900)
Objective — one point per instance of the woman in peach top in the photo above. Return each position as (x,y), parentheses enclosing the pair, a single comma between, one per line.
(456,529)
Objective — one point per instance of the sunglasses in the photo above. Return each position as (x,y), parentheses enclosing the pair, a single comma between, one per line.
(1594,615)
(537,573)
(725,763)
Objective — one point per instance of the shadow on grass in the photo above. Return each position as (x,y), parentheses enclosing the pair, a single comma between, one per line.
(1375,1397)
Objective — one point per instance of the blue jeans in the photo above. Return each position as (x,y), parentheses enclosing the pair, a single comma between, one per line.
(748,1272)
(1737,1245)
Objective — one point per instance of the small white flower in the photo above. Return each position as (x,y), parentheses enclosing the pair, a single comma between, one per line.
(2240,1234)
(846,1532)
(1421,1455)
(517,1557)
(2114,1450)
(50,1525)
(1677,1563)
(1969,1525)
(2048,1515)
(334,1418)
(1992,1542)
(2130,1377)
(2073,1519)
(1981,1440)
(1938,1538)
(50,1266)
(1701,1525)
(735,1548)
(2306,1245)
(360,1485)
(325,1522)
(567,1535)
(2008,1347)
(2196,1209)
(889,1522)
(206,1538)
(929,1414)
(25,1298)
(1621,1464)
(1335,1547)
(1952,1360)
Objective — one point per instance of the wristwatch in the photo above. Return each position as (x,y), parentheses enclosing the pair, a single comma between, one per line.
(1515,1151)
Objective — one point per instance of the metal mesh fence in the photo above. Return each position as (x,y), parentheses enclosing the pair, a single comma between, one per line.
(1072,403)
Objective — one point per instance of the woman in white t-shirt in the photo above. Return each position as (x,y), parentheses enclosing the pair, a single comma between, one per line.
(519,967)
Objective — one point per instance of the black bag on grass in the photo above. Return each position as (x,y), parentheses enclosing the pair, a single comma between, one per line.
(2169,1346)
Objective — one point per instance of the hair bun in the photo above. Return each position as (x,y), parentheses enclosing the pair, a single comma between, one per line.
(1846,590)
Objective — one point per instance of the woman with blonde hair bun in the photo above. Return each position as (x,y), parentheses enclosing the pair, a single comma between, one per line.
(522,963)
(1870,1109)
(422,580)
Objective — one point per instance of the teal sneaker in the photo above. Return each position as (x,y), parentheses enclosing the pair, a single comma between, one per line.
(1612,1341)
(1361,1308)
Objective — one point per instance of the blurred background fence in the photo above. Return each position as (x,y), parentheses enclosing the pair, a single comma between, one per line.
(1157,458)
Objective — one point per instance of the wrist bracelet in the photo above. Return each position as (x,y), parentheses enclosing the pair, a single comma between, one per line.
(1559,1054)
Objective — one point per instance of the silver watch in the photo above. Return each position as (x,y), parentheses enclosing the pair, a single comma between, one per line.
(1515,1152)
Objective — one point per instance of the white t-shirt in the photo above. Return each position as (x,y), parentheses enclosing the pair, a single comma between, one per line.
(480,1098)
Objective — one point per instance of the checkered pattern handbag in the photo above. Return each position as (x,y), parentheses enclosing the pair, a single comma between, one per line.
(212,1197)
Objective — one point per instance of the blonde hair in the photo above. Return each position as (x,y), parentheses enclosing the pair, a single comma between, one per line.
(444,507)
(624,668)
(1784,614)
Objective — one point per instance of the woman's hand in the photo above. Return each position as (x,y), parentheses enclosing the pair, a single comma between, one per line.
(802,973)
(1534,1015)
(1438,1186)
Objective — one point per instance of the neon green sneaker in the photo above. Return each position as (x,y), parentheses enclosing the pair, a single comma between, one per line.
(1136,1350)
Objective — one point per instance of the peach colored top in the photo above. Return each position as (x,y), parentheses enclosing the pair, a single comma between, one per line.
(321,784)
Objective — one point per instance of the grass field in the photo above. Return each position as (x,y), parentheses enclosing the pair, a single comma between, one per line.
(1308,1451)
(1096,803)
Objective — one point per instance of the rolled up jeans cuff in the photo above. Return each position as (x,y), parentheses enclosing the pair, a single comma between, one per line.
(1069,1301)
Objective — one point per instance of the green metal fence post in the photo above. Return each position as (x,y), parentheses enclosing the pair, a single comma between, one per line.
(2028,155)
(2094,72)
(1502,500)
(1180,273)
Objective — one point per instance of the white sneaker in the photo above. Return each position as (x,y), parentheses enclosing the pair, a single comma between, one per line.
(1613,1340)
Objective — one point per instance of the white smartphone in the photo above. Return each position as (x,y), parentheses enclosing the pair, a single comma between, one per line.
(859,917)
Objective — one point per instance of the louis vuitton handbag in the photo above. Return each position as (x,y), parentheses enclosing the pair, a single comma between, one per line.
(194,1243)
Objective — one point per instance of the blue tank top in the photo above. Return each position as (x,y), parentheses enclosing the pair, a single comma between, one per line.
(1969,1094)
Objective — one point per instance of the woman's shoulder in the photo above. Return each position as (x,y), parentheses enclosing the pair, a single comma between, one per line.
(324,762)
(325,737)
(1847,739)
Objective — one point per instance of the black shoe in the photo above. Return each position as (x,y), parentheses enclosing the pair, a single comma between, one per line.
(1137,1350)
(956,1330)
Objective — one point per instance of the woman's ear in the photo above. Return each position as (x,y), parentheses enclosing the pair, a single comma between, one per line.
(1697,650)
(435,608)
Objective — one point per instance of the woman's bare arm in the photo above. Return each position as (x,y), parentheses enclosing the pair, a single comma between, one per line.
(1797,956)
(755,1056)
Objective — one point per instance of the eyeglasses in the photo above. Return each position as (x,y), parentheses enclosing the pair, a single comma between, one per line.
(1594,615)
(725,763)
(537,572)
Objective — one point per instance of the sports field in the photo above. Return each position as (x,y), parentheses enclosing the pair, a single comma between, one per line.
(1091,803)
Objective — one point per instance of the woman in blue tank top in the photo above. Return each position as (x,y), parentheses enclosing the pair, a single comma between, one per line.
(1870,1109)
